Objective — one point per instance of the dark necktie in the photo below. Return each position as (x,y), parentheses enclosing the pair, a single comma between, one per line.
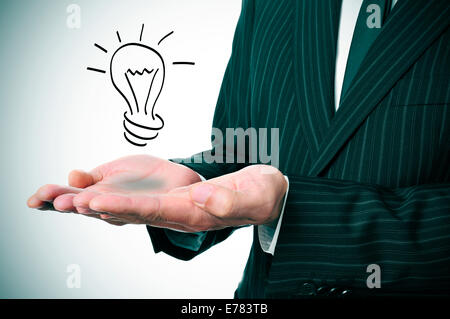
(371,18)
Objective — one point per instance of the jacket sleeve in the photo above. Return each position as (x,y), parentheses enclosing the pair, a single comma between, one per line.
(333,230)
(231,112)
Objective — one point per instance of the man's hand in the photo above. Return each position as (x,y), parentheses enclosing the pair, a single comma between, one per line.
(145,190)
(252,195)
(137,175)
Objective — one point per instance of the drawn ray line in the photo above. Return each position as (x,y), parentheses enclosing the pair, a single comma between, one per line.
(96,70)
(101,48)
(142,31)
(165,37)
(183,63)
(118,36)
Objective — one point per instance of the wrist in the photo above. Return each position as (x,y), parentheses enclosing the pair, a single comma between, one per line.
(282,191)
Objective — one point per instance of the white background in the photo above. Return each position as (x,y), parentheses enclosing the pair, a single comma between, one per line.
(56,116)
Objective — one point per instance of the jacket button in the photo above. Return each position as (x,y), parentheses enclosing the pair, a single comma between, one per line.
(346,292)
(333,291)
(322,290)
(306,289)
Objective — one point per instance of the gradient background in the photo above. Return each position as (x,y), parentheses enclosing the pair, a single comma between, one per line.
(56,116)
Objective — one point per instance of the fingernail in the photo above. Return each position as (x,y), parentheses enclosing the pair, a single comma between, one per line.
(201,193)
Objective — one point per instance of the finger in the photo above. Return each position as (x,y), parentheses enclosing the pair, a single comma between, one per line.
(81,203)
(127,207)
(159,210)
(64,203)
(47,207)
(34,202)
(82,179)
(82,199)
(48,193)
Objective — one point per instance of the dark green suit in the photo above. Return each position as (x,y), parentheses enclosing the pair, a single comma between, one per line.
(370,183)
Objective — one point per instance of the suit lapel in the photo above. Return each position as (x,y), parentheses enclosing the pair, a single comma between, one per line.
(409,30)
(316,30)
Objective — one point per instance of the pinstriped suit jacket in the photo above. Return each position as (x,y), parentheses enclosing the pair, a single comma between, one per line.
(370,183)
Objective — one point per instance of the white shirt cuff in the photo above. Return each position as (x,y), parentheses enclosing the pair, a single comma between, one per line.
(268,234)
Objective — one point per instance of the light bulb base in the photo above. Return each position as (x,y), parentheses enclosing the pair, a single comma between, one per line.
(141,128)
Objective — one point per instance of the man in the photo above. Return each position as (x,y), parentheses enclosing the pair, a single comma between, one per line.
(365,153)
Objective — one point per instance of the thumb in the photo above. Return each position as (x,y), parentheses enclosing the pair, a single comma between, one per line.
(82,179)
(217,200)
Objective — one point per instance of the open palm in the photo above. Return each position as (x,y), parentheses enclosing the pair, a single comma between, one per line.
(148,190)
(139,174)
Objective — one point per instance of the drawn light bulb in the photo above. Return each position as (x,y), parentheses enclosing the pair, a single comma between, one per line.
(137,73)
